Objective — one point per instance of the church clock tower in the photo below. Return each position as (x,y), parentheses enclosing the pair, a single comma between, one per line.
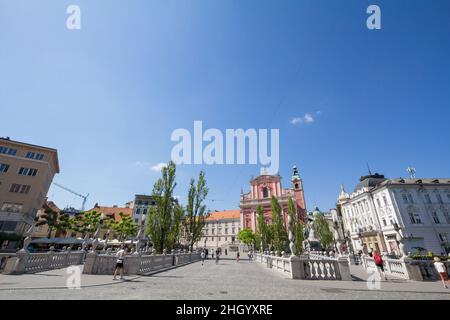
(297,188)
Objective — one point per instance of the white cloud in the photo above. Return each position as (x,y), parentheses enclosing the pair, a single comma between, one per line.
(158,167)
(307,118)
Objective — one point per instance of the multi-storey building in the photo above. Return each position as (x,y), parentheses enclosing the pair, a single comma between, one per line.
(110,213)
(221,230)
(26,172)
(382,213)
(262,189)
(141,206)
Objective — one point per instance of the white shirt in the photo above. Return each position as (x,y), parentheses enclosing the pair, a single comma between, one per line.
(440,267)
(120,253)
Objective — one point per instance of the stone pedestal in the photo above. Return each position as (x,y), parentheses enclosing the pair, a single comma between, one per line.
(413,270)
(344,269)
(89,263)
(297,269)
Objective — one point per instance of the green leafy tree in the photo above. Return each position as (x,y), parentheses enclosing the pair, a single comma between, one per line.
(263,230)
(297,227)
(51,220)
(164,218)
(64,224)
(86,222)
(123,228)
(246,236)
(195,212)
(322,230)
(280,238)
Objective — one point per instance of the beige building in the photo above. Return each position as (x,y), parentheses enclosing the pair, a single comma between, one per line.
(221,230)
(26,172)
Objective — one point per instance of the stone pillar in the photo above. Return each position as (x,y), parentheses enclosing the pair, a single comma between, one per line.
(344,269)
(89,264)
(297,268)
(131,264)
(413,270)
(17,264)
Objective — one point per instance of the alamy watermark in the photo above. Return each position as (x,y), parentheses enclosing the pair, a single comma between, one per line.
(227,148)
(73,280)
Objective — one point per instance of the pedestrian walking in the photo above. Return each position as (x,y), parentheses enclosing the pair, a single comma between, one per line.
(440,268)
(379,263)
(120,255)
(238,256)
(226,252)
(202,256)
(217,256)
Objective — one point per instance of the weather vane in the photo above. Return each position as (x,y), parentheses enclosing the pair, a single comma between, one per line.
(412,172)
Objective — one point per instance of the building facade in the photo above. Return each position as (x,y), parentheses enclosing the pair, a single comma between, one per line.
(262,188)
(221,230)
(26,173)
(388,214)
(141,206)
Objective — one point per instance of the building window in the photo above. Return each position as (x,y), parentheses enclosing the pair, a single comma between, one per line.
(18,188)
(439,198)
(405,198)
(378,203)
(385,201)
(226,230)
(34,155)
(435,217)
(8,225)
(232,230)
(144,211)
(27,172)
(411,200)
(443,237)
(10,151)
(413,216)
(138,211)
(4,168)
(427,198)
(265,192)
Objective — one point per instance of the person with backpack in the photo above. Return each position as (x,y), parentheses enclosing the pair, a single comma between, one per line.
(379,263)
(440,268)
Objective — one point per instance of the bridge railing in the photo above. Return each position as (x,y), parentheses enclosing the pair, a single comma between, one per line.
(406,268)
(137,264)
(308,268)
(25,262)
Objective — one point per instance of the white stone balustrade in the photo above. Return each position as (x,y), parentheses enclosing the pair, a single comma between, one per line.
(137,264)
(25,262)
(406,268)
(307,268)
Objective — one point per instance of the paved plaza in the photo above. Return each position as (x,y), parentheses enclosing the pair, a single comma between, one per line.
(227,280)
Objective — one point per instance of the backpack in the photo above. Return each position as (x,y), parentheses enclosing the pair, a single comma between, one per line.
(378,260)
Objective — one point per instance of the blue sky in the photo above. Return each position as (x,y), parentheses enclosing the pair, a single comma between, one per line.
(108,96)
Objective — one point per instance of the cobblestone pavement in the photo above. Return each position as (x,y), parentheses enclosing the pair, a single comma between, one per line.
(228,280)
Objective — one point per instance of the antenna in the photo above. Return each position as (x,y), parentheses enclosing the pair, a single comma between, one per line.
(368,168)
(412,172)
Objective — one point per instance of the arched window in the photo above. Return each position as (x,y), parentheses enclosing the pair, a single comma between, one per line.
(265,192)
(296,186)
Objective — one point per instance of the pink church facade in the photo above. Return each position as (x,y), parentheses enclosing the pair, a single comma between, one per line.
(262,188)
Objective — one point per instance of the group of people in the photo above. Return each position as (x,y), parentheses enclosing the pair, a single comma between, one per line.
(438,265)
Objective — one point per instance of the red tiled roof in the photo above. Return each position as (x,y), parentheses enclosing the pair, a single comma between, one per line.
(227,214)
(113,212)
